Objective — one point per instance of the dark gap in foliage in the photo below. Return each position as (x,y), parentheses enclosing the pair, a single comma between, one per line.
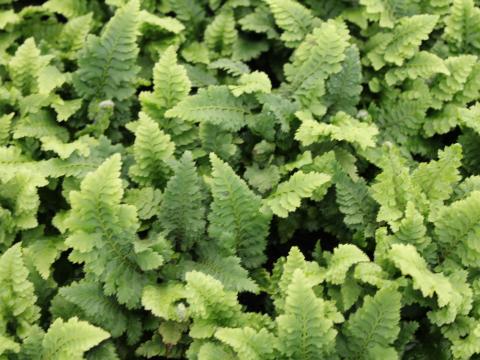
(64,271)
(253,302)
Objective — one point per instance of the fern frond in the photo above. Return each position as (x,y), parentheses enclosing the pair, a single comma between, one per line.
(380,9)
(410,263)
(456,227)
(5,128)
(162,300)
(288,195)
(447,85)
(220,34)
(402,42)
(393,188)
(107,64)
(436,179)
(412,229)
(462,26)
(343,127)
(373,328)
(170,84)
(68,8)
(25,67)
(317,57)
(343,258)
(469,117)
(344,88)
(422,65)
(215,105)
(236,222)
(226,269)
(248,343)
(74,33)
(216,139)
(182,212)
(293,18)
(295,260)
(210,305)
(151,150)
(304,330)
(70,339)
(99,309)
(260,21)
(18,310)
(255,82)
(102,232)
(356,204)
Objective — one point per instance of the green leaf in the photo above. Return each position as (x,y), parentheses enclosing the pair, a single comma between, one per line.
(236,222)
(71,339)
(344,256)
(182,212)
(107,64)
(288,195)
(342,128)
(248,343)
(373,328)
(215,105)
(304,330)
(410,263)
(152,150)
(255,82)
(293,18)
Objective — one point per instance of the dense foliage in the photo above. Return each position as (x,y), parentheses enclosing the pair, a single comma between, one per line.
(239,179)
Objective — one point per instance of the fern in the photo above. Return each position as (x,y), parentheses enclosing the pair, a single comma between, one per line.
(343,258)
(293,18)
(344,88)
(98,220)
(446,86)
(74,34)
(221,34)
(342,127)
(422,65)
(161,300)
(248,343)
(98,308)
(393,188)
(162,163)
(412,229)
(437,178)
(255,82)
(18,310)
(318,56)
(401,42)
(461,26)
(356,204)
(25,67)
(70,339)
(236,222)
(68,8)
(107,68)
(210,305)
(182,212)
(407,259)
(457,224)
(304,331)
(288,195)
(215,105)
(381,10)
(372,329)
(171,84)
(152,150)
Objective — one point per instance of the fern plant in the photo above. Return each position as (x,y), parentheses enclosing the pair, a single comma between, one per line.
(239,179)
